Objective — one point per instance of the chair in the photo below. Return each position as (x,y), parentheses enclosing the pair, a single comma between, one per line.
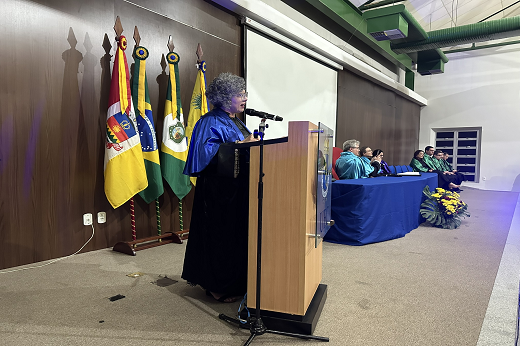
(404,168)
(336,153)
(410,169)
(398,169)
(392,169)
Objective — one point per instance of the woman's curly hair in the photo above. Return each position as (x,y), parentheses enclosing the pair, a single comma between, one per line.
(226,85)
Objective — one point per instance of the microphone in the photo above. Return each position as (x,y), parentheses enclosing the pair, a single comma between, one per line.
(263,115)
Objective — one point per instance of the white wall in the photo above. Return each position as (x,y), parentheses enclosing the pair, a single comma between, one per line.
(479,88)
(287,84)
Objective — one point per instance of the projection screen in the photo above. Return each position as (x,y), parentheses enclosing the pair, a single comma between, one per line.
(284,82)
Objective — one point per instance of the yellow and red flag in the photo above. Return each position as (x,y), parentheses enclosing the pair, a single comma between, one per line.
(125,173)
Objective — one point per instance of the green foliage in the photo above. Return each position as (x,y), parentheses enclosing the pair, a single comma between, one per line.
(443,208)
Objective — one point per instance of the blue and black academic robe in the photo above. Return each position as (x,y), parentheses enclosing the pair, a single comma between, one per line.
(216,253)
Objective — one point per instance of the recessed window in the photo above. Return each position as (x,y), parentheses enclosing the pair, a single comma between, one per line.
(463,146)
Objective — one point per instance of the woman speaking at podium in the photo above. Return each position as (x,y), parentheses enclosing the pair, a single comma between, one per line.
(216,253)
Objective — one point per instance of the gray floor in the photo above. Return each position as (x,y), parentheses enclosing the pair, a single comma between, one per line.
(432,287)
(501,320)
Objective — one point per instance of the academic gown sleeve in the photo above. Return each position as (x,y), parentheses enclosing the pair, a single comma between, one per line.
(429,162)
(212,130)
(438,164)
(417,166)
(349,166)
(385,168)
(446,165)
(366,167)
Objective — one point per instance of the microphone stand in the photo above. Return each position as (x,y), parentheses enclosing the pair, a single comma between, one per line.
(255,324)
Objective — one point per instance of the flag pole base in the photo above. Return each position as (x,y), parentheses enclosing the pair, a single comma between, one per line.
(130,247)
(183,234)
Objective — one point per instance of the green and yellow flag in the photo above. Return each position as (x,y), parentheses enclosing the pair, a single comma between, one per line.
(199,103)
(143,110)
(174,148)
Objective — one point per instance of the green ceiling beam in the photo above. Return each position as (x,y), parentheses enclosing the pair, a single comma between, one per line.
(348,16)
(409,80)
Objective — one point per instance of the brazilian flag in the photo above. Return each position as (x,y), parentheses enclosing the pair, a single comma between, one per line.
(145,125)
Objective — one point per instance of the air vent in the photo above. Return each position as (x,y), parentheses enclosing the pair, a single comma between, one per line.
(395,34)
(387,27)
(426,68)
(379,36)
(392,34)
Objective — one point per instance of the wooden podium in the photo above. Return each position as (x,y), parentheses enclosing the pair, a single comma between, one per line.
(291,294)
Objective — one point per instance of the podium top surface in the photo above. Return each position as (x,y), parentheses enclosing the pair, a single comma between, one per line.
(266,142)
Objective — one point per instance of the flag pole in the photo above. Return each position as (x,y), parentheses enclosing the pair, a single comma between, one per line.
(132,218)
(181,221)
(131,247)
(118,28)
(158,216)
(171,47)
(140,54)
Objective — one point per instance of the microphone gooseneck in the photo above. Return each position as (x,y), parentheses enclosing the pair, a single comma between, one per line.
(263,115)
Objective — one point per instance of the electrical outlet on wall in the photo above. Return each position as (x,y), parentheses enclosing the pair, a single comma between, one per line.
(87,219)
(101,217)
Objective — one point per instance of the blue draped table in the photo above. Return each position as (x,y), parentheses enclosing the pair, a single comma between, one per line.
(377,209)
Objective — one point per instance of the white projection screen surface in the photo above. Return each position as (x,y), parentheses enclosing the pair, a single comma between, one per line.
(282,82)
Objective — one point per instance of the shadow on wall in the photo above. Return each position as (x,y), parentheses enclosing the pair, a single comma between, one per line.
(488,53)
(475,100)
(516,184)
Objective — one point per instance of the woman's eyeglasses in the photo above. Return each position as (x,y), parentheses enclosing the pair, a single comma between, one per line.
(243,96)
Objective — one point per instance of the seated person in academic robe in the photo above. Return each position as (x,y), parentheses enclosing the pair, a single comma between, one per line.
(419,163)
(366,156)
(441,165)
(216,253)
(380,167)
(449,167)
(428,155)
(349,165)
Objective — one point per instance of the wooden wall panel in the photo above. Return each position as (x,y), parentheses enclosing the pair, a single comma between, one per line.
(53,100)
(407,130)
(377,117)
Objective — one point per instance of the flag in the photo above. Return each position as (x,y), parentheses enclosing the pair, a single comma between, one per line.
(125,174)
(199,103)
(144,116)
(174,148)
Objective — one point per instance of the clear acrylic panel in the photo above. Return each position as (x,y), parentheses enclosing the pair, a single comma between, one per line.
(323,185)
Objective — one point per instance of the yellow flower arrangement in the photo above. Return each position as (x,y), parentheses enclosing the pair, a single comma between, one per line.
(443,208)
